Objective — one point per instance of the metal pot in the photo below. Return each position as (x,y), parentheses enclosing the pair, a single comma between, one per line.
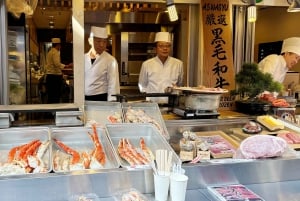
(201,101)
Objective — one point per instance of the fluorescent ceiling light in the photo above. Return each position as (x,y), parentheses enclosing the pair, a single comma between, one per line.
(295,6)
(172,10)
(251,13)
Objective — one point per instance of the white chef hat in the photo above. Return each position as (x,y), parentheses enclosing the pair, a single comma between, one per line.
(291,45)
(99,32)
(55,40)
(163,37)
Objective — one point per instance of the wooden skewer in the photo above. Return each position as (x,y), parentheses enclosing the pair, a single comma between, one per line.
(166,160)
(163,161)
(158,162)
(170,161)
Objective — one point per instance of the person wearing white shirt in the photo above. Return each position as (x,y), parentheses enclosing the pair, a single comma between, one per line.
(279,65)
(101,69)
(161,71)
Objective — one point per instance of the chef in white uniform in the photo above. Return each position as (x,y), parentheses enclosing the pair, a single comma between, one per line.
(161,71)
(279,65)
(101,69)
(54,79)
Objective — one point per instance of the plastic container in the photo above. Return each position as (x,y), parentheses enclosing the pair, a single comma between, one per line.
(130,194)
(84,197)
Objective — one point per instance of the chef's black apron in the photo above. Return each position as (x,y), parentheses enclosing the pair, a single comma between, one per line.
(98,97)
(54,86)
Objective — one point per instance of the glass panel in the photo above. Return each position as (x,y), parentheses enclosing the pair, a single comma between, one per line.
(28,38)
(16,65)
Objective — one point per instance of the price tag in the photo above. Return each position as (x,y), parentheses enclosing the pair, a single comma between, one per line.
(203,155)
(186,155)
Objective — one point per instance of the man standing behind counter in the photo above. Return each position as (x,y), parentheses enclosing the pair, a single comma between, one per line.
(161,71)
(101,69)
(54,79)
(279,65)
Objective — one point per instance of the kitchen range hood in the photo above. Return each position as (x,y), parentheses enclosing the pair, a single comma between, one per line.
(119,17)
(295,6)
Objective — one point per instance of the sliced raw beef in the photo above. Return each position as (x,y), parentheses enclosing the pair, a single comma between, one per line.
(262,146)
(290,137)
(285,137)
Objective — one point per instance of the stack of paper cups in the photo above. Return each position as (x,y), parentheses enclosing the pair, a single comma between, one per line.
(161,186)
(178,184)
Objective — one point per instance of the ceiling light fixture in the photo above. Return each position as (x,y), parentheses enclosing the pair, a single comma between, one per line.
(51,24)
(251,13)
(251,10)
(172,10)
(295,6)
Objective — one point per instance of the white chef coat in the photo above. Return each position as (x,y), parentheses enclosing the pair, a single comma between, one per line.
(54,66)
(155,76)
(102,76)
(275,65)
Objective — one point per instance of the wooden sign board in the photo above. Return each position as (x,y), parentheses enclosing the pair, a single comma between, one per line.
(218,69)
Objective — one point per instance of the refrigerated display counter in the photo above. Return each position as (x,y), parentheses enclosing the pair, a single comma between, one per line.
(274,179)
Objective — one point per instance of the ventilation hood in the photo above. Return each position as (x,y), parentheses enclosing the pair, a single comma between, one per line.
(295,6)
(119,17)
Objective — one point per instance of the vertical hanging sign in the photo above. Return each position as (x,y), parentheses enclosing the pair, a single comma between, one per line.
(218,70)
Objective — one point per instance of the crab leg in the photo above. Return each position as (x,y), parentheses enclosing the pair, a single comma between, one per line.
(69,150)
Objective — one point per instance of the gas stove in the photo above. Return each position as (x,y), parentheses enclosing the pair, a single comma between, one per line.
(187,113)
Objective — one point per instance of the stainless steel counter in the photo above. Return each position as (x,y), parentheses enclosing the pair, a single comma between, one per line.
(273,179)
(278,191)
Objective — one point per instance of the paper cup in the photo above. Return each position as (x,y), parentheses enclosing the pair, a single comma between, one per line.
(178,184)
(161,187)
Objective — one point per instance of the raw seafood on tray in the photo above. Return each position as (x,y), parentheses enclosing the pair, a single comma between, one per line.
(134,155)
(130,195)
(135,144)
(145,113)
(101,113)
(24,151)
(81,149)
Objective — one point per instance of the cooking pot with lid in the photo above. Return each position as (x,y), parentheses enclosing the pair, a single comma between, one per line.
(196,98)
(208,102)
